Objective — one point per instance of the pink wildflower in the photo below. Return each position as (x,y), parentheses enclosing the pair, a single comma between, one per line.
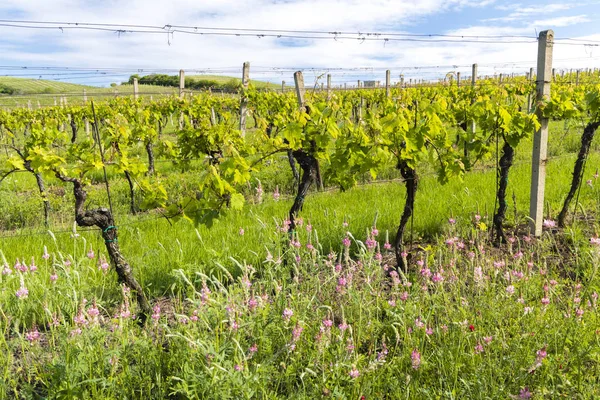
(287,314)
(32,336)
(415,357)
(478,348)
(22,292)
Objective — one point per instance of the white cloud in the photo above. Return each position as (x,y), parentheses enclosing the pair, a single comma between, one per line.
(562,21)
(106,49)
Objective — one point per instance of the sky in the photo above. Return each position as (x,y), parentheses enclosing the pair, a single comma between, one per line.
(117,55)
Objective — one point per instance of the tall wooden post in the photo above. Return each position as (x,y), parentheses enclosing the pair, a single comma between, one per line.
(473,84)
(529,101)
(540,139)
(328,86)
(244,100)
(458,79)
(282,86)
(181,82)
(402,81)
(553,71)
(500,78)
(299,83)
(387,83)
(577,79)
(135,89)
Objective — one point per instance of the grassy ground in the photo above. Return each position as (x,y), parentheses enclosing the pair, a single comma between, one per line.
(149,240)
(468,321)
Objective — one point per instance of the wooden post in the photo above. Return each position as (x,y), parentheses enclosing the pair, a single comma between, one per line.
(181,82)
(282,86)
(500,78)
(553,71)
(136,89)
(577,79)
(458,79)
(244,100)
(360,109)
(387,83)
(473,84)
(529,102)
(328,86)
(401,81)
(410,82)
(540,139)
(299,83)
(358,84)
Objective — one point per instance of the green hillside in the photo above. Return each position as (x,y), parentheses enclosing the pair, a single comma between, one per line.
(19,92)
(227,79)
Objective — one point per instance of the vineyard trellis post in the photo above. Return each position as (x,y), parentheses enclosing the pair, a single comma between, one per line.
(299,83)
(387,83)
(529,104)
(545,73)
(402,81)
(135,89)
(577,78)
(244,100)
(282,86)
(328,87)
(181,82)
(473,83)
(458,79)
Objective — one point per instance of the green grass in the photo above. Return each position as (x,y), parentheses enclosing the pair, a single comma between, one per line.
(153,242)
(483,342)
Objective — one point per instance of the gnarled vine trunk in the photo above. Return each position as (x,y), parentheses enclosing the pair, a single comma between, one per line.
(411,181)
(308,163)
(103,219)
(292,162)
(506,161)
(73,130)
(150,151)
(42,188)
(586,141)
(132,207)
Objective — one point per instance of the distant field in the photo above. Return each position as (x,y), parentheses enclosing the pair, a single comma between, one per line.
(39,92)
(46,93)
(225,79)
